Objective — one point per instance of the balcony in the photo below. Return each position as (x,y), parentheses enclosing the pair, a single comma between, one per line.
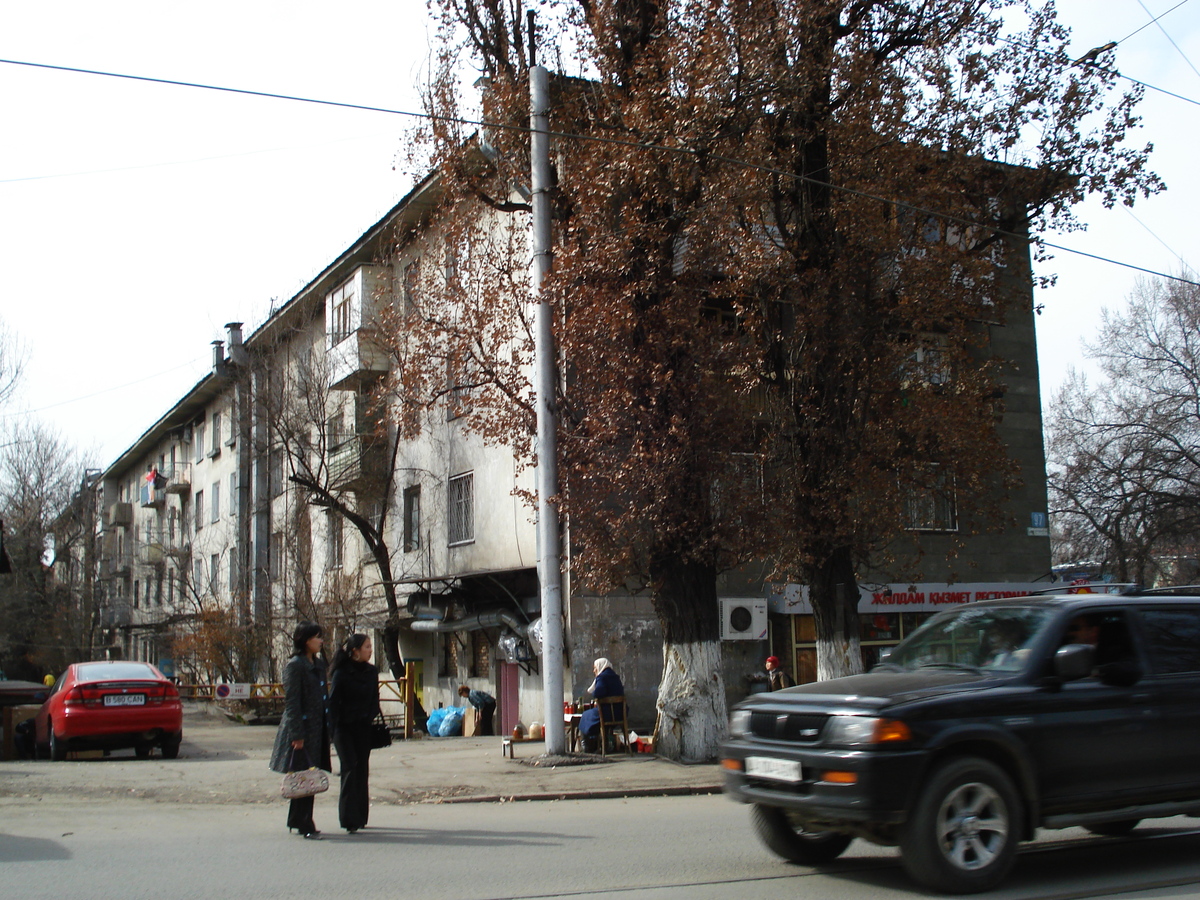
(355,359)
(356,464)
(179,478)
(153,497)
(151,554)
(120,515)
(116,565)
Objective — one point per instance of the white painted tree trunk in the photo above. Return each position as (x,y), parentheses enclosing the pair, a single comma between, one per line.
(692,716)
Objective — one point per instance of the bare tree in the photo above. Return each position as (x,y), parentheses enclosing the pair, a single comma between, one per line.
(39,476)
(810,207)
(13,357)
(1125,455)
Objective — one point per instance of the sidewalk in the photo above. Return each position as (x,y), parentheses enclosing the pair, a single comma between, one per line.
(224,762)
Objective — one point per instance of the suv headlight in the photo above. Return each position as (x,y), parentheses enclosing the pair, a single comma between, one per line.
(854,731)
(739,723)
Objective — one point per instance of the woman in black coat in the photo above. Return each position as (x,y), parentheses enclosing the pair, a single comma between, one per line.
(354,704)
(304,728)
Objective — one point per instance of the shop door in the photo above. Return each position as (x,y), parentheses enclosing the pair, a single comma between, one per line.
(509,701)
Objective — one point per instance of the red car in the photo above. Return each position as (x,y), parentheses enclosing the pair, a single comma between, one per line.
(106,705)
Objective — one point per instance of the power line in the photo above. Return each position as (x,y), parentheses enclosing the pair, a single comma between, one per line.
(1152,21)
(119,387)
(1168,37)
(580,137)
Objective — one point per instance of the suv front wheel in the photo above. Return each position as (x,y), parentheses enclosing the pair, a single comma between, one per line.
(963,833)
(789,840)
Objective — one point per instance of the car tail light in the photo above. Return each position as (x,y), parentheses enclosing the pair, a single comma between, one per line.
(84,696)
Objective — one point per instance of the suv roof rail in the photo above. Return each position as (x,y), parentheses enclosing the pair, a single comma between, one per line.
(1091,587)
(1188,590)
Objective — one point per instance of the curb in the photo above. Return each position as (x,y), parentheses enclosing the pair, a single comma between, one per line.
(602,794)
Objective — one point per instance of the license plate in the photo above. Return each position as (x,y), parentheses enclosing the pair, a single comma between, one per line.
(124,699)
(769,767)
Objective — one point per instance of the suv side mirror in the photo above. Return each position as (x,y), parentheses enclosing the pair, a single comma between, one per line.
(1074,661)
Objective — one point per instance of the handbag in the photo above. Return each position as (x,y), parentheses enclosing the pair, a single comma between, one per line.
(380,735)
(302,782)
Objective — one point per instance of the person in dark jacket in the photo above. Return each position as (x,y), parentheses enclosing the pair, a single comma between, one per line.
(304,728)
(485,703)
(777,675)
(607,684)
(353,705)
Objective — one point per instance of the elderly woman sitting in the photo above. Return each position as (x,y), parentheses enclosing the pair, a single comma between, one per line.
(607,684)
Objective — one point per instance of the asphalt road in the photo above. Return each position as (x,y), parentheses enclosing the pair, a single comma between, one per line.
(656,848)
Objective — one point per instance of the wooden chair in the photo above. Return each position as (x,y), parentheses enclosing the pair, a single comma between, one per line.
(614,723)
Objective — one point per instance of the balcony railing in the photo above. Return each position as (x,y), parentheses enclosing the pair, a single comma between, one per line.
(153,497)
(179,478)
(120,515)
(356,464)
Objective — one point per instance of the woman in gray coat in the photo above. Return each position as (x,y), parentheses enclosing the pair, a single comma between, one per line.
(304,729)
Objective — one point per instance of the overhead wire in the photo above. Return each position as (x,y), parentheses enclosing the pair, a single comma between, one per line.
(579,137)
(1155,21)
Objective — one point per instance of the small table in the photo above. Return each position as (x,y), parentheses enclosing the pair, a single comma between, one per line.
(571,725)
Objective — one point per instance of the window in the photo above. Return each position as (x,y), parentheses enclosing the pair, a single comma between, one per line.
(481,655)
(170,587)
(1174,637)
(340,302)
(216,501)
(216,436)
(235,567)
(158,592)
(199,510)
(412,287)
(461,509)
(931,505)
(233,483)
(275,555)
(137,590)
(214,571)
(275,473)
(197,575)
(335,540)
(412,518)
(200,442)
(926,361)
(461,376)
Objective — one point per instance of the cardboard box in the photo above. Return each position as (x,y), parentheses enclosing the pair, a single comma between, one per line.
(470,722)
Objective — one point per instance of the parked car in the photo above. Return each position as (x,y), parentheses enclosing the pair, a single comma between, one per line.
(109,705)
(990,721)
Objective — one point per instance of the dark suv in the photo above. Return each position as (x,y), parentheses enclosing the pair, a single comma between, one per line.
(990,721)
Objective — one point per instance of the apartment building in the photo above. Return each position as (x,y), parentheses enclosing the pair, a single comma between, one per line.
(282,487)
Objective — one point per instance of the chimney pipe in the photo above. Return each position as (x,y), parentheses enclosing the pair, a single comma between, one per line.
(237,350)
(218,356)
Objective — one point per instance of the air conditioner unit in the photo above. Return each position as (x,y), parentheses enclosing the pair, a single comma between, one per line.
(743,620)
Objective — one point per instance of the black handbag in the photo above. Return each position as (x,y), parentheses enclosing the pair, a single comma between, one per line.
(380,734)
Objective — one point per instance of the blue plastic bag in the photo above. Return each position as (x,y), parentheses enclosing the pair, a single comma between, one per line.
(452,721)
(436,718)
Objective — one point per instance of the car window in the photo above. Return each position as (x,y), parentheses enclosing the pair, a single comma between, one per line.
(996,639)
(115,671)
(1173,637)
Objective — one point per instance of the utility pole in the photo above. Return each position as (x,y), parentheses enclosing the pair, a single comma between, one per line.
(549,568)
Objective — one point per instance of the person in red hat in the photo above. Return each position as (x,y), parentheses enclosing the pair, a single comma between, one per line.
(776,675)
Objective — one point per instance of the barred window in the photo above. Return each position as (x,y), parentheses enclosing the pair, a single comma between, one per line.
(461,509)
(412,518)
(931,504)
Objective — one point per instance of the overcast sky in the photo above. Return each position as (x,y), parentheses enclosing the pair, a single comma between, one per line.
(137,219)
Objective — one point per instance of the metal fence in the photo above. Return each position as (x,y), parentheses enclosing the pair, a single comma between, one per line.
(397,697)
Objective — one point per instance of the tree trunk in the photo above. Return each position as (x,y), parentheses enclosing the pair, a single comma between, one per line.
(834,596)
(692,713)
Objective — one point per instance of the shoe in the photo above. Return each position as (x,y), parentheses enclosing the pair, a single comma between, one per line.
(351,831)
(312,835)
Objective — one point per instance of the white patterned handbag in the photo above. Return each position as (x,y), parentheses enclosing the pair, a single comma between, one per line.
(299,783)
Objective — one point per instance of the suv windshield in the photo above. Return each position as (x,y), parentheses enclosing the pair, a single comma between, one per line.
(982,638)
